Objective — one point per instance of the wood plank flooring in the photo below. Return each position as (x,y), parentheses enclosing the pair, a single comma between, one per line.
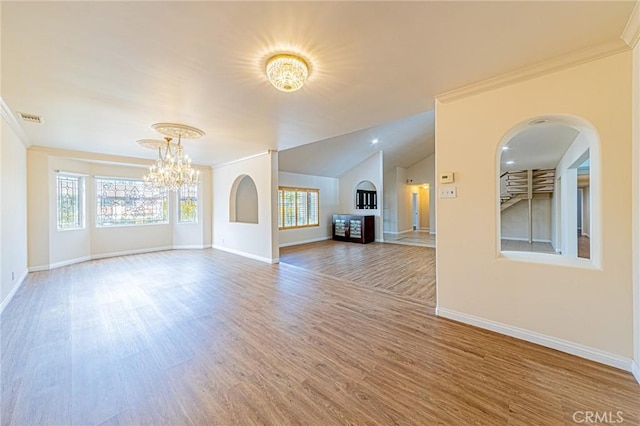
(205,337)
(405,271)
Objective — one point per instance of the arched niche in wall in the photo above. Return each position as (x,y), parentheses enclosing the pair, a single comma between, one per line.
(366,196)
(548,184)
(243,201)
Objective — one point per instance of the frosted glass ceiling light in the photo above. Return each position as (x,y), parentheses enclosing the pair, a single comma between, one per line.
(287,73)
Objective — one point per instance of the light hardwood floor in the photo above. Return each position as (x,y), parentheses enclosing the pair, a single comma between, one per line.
(205,337)
(405,271)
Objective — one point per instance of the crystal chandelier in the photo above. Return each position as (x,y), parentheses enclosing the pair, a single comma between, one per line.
(172,169)
(287,73)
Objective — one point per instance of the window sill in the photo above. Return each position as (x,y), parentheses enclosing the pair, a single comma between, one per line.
(548,259)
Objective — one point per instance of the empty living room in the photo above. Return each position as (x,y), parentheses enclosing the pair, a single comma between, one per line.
(320,213)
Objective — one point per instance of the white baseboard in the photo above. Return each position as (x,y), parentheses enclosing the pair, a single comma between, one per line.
(190,247)
(635,369)
(13,291)
(562,345)
(69,262)
(245,254)
(379,240)
(313,240)
(128,252)
(39,268)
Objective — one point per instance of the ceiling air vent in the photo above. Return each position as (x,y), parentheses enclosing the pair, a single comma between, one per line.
(31,118)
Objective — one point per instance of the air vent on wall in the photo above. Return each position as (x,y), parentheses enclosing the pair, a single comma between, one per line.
(31,118)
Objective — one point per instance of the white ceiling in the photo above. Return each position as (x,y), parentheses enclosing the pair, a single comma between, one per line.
(404,143)
(102,72)
(540,146)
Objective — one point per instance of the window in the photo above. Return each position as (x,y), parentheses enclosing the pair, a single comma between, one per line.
(298,207)
(188,204)
(70,201)
(129,202)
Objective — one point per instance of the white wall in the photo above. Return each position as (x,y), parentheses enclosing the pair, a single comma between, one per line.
(50,247)
(425,172)
(553,304)
(390,207)
(514,221)
(404,193)
(586,211)
(255,240)
(13,214)
(370,169)
(328,188)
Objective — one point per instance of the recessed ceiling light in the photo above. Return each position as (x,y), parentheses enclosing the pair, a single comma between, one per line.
(504,148)
(374,141)
(510,162)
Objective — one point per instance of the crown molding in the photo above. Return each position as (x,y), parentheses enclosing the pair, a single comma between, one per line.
(12,121)
(631,32)
(555,64)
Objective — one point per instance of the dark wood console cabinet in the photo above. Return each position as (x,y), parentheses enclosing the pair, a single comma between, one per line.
(354,228)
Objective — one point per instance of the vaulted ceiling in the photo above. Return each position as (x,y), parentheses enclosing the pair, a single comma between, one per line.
(102,72)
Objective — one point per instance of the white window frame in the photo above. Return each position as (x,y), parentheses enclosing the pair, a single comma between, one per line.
(80,205)
(281,222)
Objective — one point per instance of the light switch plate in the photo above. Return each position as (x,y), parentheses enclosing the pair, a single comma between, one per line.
(448,192)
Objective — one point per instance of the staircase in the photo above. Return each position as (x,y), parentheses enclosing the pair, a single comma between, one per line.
(525,185)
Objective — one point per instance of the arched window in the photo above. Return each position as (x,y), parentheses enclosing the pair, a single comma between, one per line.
(243,200)
(549,193)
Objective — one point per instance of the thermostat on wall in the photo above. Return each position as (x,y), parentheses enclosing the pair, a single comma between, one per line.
(446,177)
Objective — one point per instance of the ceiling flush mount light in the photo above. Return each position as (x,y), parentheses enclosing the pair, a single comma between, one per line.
(172,169)
(287,73)
(375,141)
(504,148)
(510,162)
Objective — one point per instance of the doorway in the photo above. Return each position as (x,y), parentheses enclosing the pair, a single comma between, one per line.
(415,208)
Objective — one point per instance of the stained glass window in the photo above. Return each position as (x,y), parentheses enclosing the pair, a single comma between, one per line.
(70,191)
(129,202)
(188,204)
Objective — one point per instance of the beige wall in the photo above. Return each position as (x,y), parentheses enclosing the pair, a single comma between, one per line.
(13,213)
(550,301)
(636,204)
(254,240)
(425,206)
(49,247)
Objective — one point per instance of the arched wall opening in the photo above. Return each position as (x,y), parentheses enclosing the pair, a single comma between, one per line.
(365,196)
(243,200)
(548,200)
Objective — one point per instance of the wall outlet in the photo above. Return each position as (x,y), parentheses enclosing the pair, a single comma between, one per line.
(448,192)
(13,276)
